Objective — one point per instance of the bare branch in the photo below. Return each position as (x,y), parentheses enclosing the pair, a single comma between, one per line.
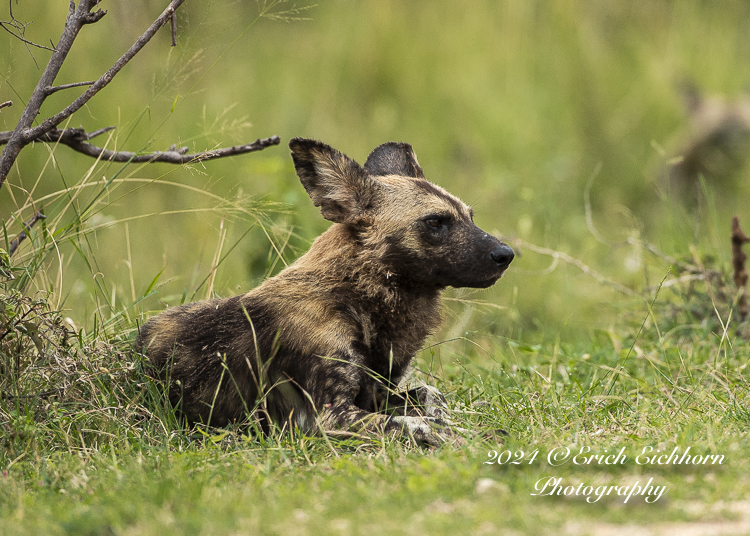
(77,18)
(77,138)
(6,104)
(22,235)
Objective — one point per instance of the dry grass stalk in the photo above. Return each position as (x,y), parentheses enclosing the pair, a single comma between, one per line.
(738,263)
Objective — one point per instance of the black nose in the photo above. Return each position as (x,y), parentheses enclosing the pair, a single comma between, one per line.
(502,255)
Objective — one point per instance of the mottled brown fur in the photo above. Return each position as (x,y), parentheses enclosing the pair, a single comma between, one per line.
(325,343)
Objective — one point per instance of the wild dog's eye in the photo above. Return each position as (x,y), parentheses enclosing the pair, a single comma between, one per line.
(434,222)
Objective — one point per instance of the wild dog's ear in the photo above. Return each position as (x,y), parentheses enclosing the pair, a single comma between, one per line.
(394,159)
(334,182)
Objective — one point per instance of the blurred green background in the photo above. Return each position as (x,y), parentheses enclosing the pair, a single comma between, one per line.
(514,106)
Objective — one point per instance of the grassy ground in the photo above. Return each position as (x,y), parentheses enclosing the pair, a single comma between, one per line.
(616,330)
(107,457)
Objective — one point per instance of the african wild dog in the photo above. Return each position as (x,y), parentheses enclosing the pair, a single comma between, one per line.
(325,343)
(714,146)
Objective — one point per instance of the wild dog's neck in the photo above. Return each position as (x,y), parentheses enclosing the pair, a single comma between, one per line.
(393,317)
(338,255)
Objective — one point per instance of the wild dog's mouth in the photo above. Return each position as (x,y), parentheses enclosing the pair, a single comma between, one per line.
(471,277)
(486,282)
(489,282)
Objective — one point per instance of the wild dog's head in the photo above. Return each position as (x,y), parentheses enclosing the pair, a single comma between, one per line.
(423,234)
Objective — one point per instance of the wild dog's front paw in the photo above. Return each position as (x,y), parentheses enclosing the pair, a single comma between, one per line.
(429,430)
(431,402)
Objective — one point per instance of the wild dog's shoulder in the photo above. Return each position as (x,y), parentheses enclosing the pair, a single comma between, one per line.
(305,313)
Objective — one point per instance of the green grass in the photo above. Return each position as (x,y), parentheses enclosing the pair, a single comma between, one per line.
(554,120)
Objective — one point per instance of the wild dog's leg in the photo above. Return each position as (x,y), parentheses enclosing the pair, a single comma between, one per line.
(338,411)
(430,430)
(430,401)
(425,404)
(433,404)
(348,417)
(420,401)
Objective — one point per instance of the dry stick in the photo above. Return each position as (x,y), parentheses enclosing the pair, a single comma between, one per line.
(44,394)
(6,104)
(174,29)
(22,235)
(77,138)
(77,18)
(738,262)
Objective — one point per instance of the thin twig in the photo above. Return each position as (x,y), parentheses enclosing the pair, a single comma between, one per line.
(99,132)
(687,278)
(691,268)
(20,29)
(518,243)
(6,104)
(55,89)
(22,235)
